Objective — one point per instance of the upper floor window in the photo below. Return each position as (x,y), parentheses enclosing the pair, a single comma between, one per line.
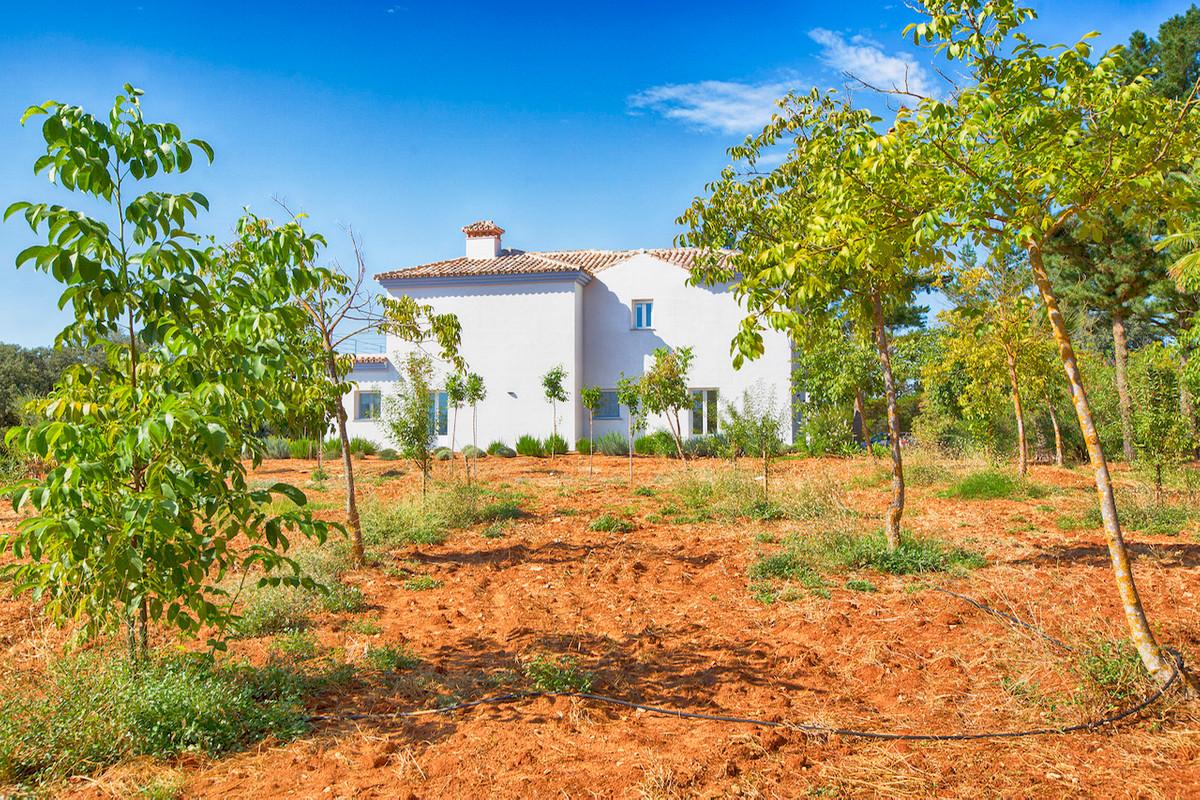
(643,314)
(439,416)
(704,411)
(609,407)
(367,406)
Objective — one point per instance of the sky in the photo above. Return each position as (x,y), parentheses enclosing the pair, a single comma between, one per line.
(572,125)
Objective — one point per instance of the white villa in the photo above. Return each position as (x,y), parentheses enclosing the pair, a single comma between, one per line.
(599,313)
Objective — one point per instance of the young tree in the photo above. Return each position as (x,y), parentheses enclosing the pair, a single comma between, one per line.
(1043,136)
(409,419)
(590,397)
(554,387)
(629,394)
(146,506)
(456,394)
(474,393)
(759,430)
(1163,437)
(340,308)
(664,389)
(844,229)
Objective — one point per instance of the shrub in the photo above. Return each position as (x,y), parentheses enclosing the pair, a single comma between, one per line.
(500,450)
(392,658)
(555,444)
(612,444)
(704,446)
(471,451)
(87,712)
(658,443)
(389,454)
(610,524)
(991,484)
(530,446)
(277,609)
(846,550)
(443,454)
(363,447)
(455,506)
(561,674)
(332,447)
(302,448)
(277,447)
(583,447)
(294,646)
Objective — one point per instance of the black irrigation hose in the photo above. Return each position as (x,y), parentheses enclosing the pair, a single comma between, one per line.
(811,729)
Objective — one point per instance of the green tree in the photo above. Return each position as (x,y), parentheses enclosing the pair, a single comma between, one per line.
(146,507)
(664,389)
(555,390)
(1040,137)
(456,395)
(408,418)
(1163,436)
(629,394)
(590,397)
(474,393)
(844,230)
(758,430)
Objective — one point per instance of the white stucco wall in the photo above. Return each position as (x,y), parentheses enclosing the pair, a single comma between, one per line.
(705,319)
(514,330)
(512,334)
(369,377)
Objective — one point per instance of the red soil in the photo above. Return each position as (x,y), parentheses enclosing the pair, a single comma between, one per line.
(664,615)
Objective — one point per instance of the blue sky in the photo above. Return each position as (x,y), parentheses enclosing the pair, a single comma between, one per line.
(573,125)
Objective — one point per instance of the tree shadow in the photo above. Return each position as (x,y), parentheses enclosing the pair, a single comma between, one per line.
(557,553)
(1096,555)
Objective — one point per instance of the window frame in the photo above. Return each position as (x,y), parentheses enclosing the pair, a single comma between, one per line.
(439,412)
(710,416)
(358,398)
(646,303)
(616,404)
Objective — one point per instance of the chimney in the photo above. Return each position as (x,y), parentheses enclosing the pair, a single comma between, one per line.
(483,239)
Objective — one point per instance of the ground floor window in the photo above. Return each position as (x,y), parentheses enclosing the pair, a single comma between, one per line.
(609,407)
(367,406)
(439,413)
(704,412)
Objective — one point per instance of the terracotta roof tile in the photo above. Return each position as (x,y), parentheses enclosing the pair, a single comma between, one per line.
(520,262)
(484,227)
(371,359)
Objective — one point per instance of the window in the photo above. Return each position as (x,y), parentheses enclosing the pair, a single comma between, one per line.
(704,411)
(643,314)
(439,413)
(367,406)
(609,407)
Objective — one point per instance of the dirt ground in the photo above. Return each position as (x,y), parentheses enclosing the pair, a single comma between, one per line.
(664,614)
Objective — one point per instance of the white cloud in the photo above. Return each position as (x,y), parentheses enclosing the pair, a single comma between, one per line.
(724,106)
(866,59)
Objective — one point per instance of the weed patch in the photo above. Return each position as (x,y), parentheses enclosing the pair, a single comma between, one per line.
(992,484)
(422,583)
(561,674)
(392,658)
(609,523)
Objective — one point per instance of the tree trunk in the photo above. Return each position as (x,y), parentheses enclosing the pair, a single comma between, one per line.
(1058,448)
(553,427)
(357,555)
(1140,634)
(677,432)
(474,466)
(1121,360)
(453,434)
(591,440)
(631,448)
(766,476)
(896,508)
(863,434)
(1015,387)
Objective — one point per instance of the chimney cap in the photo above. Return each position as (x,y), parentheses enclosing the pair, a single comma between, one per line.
(484,227)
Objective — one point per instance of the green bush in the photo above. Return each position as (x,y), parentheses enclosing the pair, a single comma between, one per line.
(302,448)
(530,446)
(277,447)
(611,524)
(612,444)
(392,658)
(427,522)
(332,447)
(561,674)
(659,443)
(90,711)
(388,454)
(703,446)
(471,451)
(583,447)
(555,444)
(443,454)
(363,447)
(500,450)
(992,484)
